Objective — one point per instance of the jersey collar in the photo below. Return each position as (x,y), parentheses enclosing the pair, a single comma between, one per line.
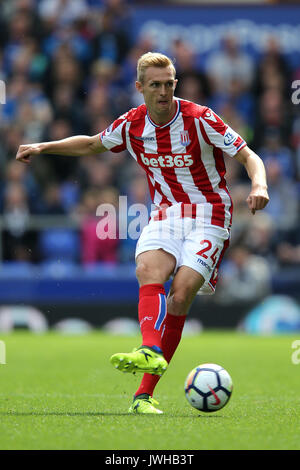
(175,116)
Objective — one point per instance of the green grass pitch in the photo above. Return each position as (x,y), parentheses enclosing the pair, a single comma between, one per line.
(60,392)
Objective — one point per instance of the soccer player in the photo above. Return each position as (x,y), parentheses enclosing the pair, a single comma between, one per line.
(180,146)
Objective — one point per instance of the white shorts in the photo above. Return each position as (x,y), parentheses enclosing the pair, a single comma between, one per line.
(192,242)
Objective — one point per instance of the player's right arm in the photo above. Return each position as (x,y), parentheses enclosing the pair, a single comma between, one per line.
(77,146)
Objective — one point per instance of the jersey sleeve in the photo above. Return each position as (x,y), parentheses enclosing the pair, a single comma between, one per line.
(219,134)
(114,137)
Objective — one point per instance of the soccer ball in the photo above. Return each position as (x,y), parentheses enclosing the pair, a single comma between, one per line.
(208,387)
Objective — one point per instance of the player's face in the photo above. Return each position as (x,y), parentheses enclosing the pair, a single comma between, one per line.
(158,89)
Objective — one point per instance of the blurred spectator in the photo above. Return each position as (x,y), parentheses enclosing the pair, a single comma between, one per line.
(62,12)
(61,168)
(15,91)
(70,192)
(273,149)
(272,71)
(18,240)
(10,141)
(99,235)
(245,277)
(105,79)
(97,102)
(66,105)
(231,74)
(53,200)
(239,194)
(273,115)
(70,37)
(237,101)
(99,172)
(22,28)
(19,177)
(190,88)
(260,237)
(295,143)
(111,43)
(121,14)
(3,31)
(192,85)
(65,70)
(288,249)
(284,204)
(33,116)
(26,106)
(230,64)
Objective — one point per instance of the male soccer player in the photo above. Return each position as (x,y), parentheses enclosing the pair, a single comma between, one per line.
(180,146)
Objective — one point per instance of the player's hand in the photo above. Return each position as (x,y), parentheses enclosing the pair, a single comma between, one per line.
(25,152)
(257,199)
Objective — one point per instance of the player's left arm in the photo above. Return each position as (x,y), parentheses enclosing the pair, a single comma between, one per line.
(258,197)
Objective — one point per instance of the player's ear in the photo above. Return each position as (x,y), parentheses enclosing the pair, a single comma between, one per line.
(175,83)
(139,86)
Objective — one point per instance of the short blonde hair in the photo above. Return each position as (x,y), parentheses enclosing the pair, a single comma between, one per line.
(152,59)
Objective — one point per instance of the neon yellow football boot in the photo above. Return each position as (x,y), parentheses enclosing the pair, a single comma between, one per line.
(143,359)
(144,404)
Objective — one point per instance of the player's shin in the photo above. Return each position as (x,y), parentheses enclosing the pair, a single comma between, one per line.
(152,312)
(171,335)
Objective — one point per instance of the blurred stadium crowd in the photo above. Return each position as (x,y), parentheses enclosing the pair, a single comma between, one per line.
(69,67)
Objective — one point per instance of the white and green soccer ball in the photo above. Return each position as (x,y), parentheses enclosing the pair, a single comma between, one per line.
(208,387)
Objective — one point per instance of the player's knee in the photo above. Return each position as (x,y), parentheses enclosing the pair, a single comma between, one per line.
(141,271)
(146,273)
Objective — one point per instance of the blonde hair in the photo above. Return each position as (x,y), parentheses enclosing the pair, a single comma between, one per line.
(152,59)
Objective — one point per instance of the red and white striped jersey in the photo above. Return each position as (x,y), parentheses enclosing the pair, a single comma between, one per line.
(183,159)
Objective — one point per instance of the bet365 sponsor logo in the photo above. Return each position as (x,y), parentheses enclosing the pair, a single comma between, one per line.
(167,161)
(2,353)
